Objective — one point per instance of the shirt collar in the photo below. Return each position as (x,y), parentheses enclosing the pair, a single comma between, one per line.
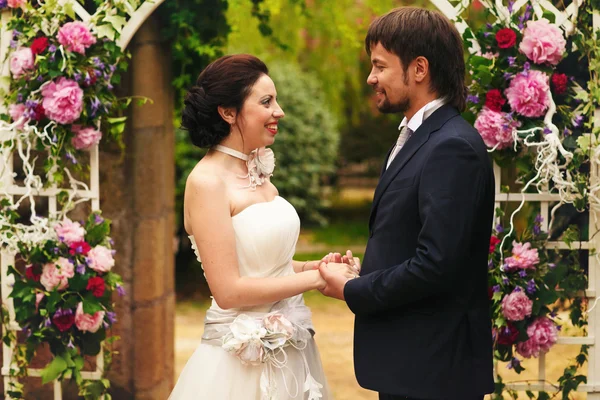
(424,112)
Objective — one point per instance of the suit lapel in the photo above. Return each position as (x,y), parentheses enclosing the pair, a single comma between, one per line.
(412,145)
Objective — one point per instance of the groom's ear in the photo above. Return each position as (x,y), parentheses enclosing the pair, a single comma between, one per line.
(421,69)
(228,114)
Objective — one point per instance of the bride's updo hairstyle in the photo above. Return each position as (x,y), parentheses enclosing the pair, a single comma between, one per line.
(225,82)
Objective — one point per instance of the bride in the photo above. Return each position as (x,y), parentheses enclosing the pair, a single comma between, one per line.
(258,335)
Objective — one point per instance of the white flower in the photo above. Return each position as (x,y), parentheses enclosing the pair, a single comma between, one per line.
(252,353)
(265,161)
(245,340)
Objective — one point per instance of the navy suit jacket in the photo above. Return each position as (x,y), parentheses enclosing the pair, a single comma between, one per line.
(423,321)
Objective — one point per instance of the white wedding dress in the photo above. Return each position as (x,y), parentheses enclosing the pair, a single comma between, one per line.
(266,236)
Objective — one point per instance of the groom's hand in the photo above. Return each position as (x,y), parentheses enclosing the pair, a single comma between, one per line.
(335,281)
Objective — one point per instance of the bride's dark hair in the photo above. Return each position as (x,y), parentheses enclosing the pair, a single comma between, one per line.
(225,82)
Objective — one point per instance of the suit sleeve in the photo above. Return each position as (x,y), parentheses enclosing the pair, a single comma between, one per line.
(451,187)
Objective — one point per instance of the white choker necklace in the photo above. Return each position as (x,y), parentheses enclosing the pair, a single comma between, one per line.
(260,163)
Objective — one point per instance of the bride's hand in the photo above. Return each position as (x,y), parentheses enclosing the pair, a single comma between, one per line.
(352,261)
(347,270)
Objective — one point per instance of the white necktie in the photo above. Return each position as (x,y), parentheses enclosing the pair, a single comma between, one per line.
(405,133)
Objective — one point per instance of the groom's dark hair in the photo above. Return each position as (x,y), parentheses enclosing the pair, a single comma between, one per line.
(410,32)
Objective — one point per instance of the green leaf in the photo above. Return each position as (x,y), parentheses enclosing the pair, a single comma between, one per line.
(106,31)
(54,369)
(549,15)
(116,21)
(68,9)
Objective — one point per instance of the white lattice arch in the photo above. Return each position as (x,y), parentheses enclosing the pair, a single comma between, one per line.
(566,20)
(91,191)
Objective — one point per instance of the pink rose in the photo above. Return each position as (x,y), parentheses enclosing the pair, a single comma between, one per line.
(86,322)
(69,232)
(277,323)
(543,42)
(85,138)
(496,128)
(56,276)
(21,61)
(516,306)
(100,259)
(527,93)
(16,3)
(543,334)
(524,257)
(63,100)
(16,111)
(76,37)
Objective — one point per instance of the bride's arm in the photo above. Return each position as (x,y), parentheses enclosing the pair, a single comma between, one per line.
(208,209)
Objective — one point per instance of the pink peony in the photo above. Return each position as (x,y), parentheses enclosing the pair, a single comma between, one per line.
(100,259)
(21,61)
(527,93)
(516,306)
(63,100)
(76,37)
(543,334)
(16,111)
(69,232)
(85,138)
(523,257)
(543,42)
(56,276)
(16,3)
(496,128)
(86,322)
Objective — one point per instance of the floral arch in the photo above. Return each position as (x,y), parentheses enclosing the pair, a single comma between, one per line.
(59,66)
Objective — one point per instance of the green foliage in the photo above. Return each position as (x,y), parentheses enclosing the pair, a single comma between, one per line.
(306,147)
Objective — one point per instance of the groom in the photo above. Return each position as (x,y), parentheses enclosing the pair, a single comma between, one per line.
(422,327)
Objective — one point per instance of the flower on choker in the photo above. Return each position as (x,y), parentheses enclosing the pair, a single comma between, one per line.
(261,164)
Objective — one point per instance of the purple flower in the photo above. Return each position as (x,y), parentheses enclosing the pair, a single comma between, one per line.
(70,345)
(52,48)
(514,363)
(522,273)
(80,269)
(507,76)
(52,58)
(473,99)
(577,121)
(121,290)
(3,3)
(88,79)
(71,158)
(551,265)
(98,219)
(54,138)
(13,44)
(511,61)
(536,229)
(97,62)
(19,96)
(111,316)
(547,131)
(510,6)
(499,228)
(531,287)
(111,242)
(505,281)
(496,288)
(112,68)
(77,76)
(40,78)
(56,249)
(553,313)
(517,289)
(16,33)
(538,218)
(566,132)
(95,104)
(62,312)
(47,323)
(559,327)
(489,26)
(486,34)
(491,264)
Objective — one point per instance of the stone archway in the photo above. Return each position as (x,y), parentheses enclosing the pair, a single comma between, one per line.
(138,194)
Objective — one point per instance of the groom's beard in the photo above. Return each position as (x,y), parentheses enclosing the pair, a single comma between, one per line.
(388,108)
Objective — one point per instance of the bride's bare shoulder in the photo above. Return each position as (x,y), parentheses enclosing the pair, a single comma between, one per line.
(205,176)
